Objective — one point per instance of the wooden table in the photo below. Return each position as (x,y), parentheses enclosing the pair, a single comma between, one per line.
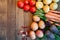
(12,18)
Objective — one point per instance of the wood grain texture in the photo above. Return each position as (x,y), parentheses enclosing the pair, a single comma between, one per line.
(11,19)
(3,19)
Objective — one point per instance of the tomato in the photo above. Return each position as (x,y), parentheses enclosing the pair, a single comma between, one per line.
(33,9)
(32,3)
(26,7)
(26,2)
(20,4)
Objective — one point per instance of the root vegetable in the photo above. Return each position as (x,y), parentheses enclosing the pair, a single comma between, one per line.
(34,26)
(46,8)
(39,33)
(53,6)
(41,24)
(36,18)
(32,34)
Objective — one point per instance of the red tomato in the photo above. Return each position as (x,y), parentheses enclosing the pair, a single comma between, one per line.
(20,4)
(26,7)
(26,2)
(33,9)
(32,3)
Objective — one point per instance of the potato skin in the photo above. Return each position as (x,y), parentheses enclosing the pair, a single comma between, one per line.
(39,33)
(36,18)
(41,24)
(32,34)
(34,26)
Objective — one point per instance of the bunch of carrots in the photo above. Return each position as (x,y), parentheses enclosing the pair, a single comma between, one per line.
(53,17)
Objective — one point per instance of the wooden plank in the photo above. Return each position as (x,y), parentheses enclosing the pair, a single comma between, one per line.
(11,22)
(3,19)
(19,20)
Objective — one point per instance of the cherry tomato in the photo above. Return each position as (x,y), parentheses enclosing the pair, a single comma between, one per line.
(20,4)
(33,9)
(26,2)
(26,7)
(32,3)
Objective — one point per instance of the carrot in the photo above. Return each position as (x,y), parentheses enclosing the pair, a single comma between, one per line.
(53,14)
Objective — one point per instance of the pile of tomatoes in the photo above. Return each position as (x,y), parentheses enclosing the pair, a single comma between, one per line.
(27,5)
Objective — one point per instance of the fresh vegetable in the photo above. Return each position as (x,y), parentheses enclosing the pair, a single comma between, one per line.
(36,18)
(47,1)
(54,29)
(26,7)
(20,4)
(32,3)
(53,6)
(39,33)
(32,9)
(46,8)
(40,13)
(55,0)
(41,24)
(32,35)
(26,2)
(54,17)
(39,5)
(50,35)
(34,26)
(57,37)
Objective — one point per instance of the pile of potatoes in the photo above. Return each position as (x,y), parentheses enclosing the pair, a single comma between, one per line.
(36,27)
(47,5)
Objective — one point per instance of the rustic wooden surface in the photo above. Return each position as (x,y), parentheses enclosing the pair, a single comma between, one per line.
(12,18)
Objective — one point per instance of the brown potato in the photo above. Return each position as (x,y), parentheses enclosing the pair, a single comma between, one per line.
(41,24)
(39,33)
(32,34)
(34,26)
(36,18)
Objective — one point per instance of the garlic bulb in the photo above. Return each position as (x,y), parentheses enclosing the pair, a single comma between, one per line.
(34,26)
(47,1)
(53,6)
(46,8)
(36,18)
(41,24)
(39,33)
(32,34)
(55,0)
(39,5)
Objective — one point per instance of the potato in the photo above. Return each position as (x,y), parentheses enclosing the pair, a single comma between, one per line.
(53,6)
(55,0)
(46,8)
(39,33)
(47,1)
(34,26)
(36,18)
(39,5)
(32,34)
(41,24)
